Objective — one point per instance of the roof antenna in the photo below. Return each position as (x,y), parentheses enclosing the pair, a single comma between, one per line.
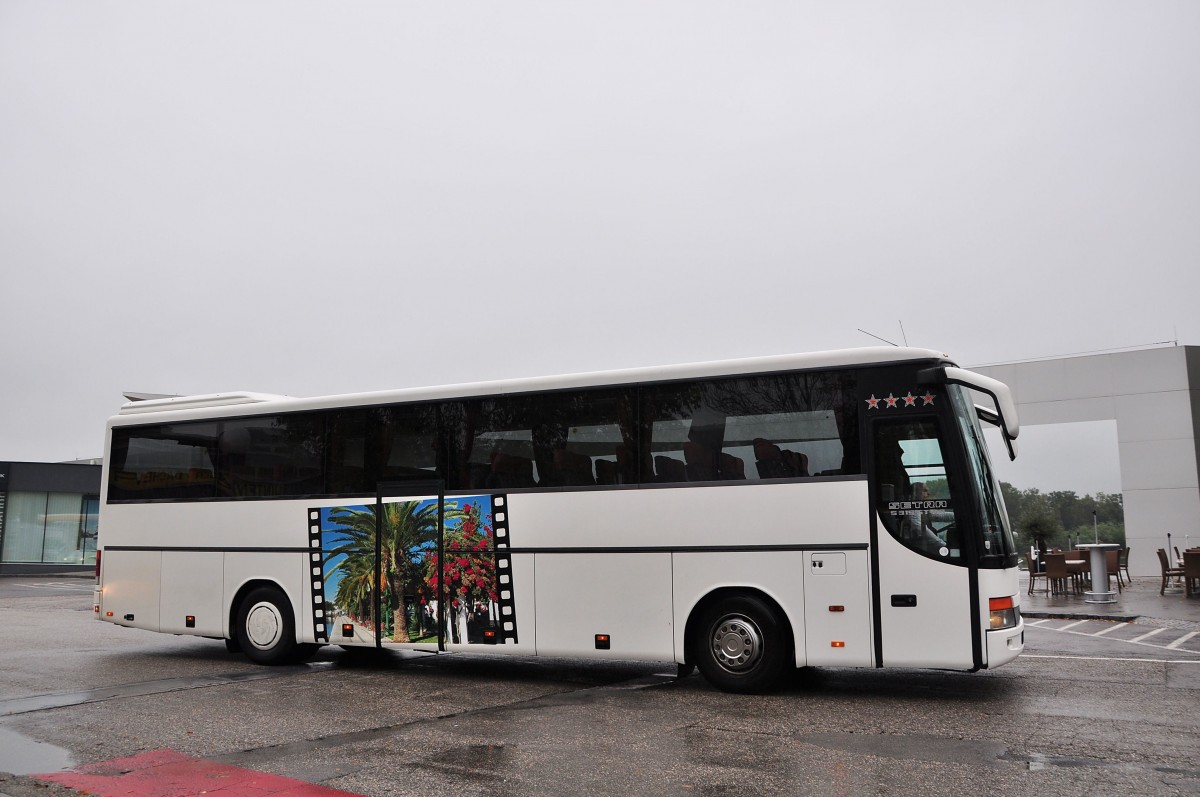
(902,335)
(885,340)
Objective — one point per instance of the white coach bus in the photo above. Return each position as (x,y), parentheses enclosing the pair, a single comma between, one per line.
(744,517)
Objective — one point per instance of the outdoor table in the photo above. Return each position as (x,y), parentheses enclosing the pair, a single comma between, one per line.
(1076,567)
(1100,592)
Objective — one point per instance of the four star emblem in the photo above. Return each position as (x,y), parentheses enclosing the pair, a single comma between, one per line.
(894,401)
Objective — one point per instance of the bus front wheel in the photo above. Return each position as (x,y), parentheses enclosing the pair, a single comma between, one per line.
(266,632)
(741,645)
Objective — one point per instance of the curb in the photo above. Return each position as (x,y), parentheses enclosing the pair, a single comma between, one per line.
(1116,618)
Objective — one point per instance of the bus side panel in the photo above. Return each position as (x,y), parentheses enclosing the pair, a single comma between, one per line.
(837,609)
(130,588)
(191,587)
(779,575)
(286,570)
(798,513)
(720,517)
(626,597)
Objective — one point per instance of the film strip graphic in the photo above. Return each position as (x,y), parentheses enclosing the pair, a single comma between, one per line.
(506,619)
(317,576)
(504,573)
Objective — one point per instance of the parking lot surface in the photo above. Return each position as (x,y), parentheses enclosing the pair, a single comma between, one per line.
(1096,705)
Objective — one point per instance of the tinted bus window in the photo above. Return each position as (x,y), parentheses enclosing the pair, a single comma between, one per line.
(270,456)
(165,461)
(346,470)
(406,443)
(566,439)
(779,426)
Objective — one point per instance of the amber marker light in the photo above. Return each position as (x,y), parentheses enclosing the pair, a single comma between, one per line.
(837,643)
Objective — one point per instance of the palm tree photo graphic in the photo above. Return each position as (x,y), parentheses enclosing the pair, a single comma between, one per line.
(408,565)
(405,529)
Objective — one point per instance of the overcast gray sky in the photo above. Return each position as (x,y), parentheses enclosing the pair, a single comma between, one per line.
(310,198)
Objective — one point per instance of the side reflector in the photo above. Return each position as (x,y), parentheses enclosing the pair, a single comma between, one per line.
(837,643)
(837,608)
(602,642)
(347,629)
(108,614)
(489,636)
(190,621)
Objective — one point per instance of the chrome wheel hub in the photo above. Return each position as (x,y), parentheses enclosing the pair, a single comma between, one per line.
(736,643)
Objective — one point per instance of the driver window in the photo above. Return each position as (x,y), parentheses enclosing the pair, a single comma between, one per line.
(914,489)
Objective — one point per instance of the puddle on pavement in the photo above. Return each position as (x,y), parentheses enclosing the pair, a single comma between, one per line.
(21,755)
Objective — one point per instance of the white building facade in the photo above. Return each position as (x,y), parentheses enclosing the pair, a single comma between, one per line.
(1154,397)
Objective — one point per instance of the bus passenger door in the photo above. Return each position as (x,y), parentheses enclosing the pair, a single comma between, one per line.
(378,560)
(924,583)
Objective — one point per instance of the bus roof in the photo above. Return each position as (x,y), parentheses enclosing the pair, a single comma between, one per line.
(249,403)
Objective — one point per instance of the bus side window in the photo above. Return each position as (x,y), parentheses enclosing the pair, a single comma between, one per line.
(677,434)
(271,456)
(560,439)
(914,489)
(496,441)
(761,427)
(168,461)
(405,443)
(346,454)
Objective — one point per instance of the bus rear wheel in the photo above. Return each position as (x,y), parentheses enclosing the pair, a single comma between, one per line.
(266,631)
(741,646)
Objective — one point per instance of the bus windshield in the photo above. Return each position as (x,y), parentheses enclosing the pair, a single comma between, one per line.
(998,549)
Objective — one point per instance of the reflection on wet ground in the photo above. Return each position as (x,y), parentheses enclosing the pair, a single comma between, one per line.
(21,755)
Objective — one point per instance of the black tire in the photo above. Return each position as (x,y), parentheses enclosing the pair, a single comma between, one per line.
(742,645)
(232,645)
(265,630)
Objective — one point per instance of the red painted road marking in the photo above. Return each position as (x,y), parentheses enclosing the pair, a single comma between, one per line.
(166,773)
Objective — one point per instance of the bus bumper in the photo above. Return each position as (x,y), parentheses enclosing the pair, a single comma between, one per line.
(1005,645)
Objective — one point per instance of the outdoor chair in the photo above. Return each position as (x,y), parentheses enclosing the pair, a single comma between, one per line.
(1057,573)
(1080,567)
(1123,562)
(1034,575)
(1191,573)
(1168,572)
(1112,563)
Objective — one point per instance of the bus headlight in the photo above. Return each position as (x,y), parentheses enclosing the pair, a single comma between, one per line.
(1004,613)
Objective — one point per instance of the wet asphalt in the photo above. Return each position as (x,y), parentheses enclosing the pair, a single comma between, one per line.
(1100,703)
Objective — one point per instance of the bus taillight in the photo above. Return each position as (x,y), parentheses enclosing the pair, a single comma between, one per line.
(1003,613)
